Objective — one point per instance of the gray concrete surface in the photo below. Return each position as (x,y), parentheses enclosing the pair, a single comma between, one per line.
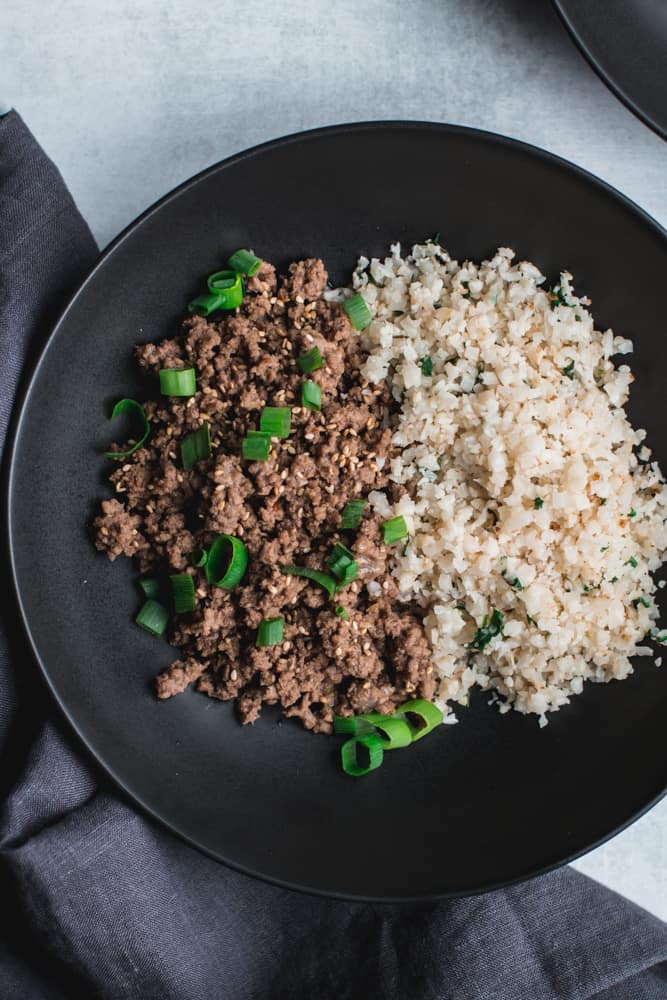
(132,98)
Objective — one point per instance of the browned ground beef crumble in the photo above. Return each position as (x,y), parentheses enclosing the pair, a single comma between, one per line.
(286,510)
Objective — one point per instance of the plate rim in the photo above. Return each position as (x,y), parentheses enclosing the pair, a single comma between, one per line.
(608,81)
(18,418)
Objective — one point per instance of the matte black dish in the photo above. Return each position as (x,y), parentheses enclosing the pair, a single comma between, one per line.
(491,800)
(625,41)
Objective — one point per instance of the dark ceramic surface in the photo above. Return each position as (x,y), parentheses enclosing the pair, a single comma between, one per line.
(625,42)
(491,800)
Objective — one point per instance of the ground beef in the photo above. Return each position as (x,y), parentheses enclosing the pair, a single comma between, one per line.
(286,510)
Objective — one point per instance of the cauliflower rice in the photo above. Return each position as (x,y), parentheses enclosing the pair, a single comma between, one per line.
(527,491)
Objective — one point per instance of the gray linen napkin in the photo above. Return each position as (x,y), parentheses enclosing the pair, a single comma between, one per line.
(97,901)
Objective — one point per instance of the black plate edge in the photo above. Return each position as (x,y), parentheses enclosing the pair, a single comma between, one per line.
(18,415)
(606,79)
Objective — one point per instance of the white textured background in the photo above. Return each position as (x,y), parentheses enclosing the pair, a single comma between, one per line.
(131,98)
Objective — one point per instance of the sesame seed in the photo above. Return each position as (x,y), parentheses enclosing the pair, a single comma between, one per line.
(234,674)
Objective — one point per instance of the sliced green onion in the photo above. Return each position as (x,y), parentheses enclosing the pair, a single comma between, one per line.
(228,286)
(183,590)
(227,562)
(256,446)
(421,716)
(341,612)
(358,311)
(311,396)
(178,382)
(153,618)
(631,562)
(315,575)
(350,573)
(339,558)
(199,558)
(352,514)
(196,446)
(204,305)
(427,366)
(276,421)
(245,262)
(270,631)
(644,601)
(393,730)
(352,725)
(310,361)
(368,744)
(394,529)
(130,406)
(150,586)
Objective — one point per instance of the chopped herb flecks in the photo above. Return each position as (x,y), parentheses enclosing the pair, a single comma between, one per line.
(633,513)
(488,630)
(644,601)
(569,370)
(426,366)
(660,637)
(558,299)
(631,562)
(539,503)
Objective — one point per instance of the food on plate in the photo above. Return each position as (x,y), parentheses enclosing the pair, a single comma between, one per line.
(536,517)
(246,507)
(358,501)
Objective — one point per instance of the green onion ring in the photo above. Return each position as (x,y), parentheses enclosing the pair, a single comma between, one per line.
(352,514)
(393,730)
(270,632)
(227,562)
(153,618)
(276,421)
(228,286)
(311,361)
(178,381)
(130,406)
(315,575)
(196,446)
(429,715)
(150,585)
(357,309)
(311,396)
(183,592)
(349,754)
(245,262)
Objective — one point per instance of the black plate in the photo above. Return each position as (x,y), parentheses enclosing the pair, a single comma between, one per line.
(491,800)
(625,41)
